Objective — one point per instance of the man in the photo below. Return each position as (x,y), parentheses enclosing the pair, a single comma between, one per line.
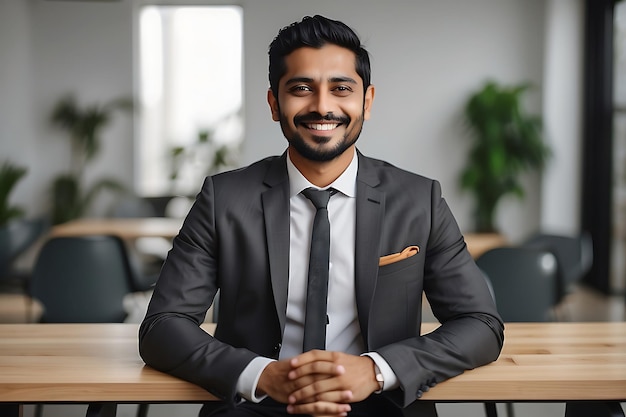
(392,237)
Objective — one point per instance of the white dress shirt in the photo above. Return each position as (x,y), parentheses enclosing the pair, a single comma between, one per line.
(343,333)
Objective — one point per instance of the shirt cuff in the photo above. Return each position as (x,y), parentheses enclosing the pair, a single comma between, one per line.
(249,378)
(390,379)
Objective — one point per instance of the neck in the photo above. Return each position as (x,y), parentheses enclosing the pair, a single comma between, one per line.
(321,174)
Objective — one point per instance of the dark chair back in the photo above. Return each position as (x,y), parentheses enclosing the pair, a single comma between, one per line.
(17,237)
(522,280)
(82,279)
(574,256)
(131,207)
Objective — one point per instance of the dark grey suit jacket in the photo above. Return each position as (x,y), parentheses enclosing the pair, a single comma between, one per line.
(236,238)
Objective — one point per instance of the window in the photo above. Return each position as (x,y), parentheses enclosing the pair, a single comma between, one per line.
(190,93)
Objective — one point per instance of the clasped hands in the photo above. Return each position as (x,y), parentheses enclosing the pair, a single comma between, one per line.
(319,383)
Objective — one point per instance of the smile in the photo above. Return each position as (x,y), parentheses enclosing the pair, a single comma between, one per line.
(322,126)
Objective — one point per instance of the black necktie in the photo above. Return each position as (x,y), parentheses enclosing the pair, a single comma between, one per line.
(317,289)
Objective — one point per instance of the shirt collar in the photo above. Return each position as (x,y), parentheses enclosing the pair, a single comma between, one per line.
(345,183)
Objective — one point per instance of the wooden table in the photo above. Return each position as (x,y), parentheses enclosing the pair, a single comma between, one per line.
(126,228)
(479,243)
(99,363)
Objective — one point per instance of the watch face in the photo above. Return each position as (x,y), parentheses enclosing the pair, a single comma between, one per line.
(380,379)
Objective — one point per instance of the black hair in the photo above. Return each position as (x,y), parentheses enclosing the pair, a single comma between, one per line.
(315,32)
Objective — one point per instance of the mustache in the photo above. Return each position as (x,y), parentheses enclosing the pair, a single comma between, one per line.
(316,117)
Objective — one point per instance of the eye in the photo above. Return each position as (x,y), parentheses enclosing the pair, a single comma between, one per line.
(300,90)
(342,90)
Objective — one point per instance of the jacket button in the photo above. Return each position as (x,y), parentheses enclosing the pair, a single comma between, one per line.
(419,393)
(277,347)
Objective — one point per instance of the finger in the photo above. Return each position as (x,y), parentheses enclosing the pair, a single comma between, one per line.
(344,397)
(320,408)
(317,368)
(315,391)
(312,356)
(344,414)
(305,381)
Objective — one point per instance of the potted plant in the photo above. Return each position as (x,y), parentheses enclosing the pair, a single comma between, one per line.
(204,153)
(70,197)
(10,175)
(190,164)
(506,142)
(17,234)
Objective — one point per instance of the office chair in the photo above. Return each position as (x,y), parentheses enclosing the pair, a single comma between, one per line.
(149,252)
(132,206)
(83,279)
(574,255)
(522,281)
(15,239)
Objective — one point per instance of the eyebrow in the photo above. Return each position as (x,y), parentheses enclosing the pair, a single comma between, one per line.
(341,79)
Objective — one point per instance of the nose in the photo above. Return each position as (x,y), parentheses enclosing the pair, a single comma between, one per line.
(322,103)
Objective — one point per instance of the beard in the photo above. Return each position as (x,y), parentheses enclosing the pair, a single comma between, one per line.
(321,153)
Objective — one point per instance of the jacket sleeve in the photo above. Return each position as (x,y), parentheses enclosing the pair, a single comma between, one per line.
(170,337)
(471,332)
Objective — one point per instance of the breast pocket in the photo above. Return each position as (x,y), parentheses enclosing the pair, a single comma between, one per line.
(397,267)
(395,313)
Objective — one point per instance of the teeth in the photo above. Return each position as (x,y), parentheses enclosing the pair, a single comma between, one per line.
(323,126)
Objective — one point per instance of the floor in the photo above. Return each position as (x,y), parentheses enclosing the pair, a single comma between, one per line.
(582,304)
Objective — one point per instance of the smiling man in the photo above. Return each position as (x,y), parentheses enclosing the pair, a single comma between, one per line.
(321,256)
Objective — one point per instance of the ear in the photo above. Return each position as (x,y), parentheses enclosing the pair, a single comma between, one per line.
(368,101)
(273,102)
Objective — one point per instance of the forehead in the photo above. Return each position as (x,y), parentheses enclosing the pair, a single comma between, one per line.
(321,63)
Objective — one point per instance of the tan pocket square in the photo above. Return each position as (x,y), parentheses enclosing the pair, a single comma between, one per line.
(395,257)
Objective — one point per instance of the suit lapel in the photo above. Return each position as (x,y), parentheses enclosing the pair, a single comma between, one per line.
(370,208)
(276,213)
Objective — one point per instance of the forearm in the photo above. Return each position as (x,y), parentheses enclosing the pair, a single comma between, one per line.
(176,345)
(458,345)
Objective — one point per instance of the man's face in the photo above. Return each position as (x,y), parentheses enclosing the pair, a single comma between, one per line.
(321,104)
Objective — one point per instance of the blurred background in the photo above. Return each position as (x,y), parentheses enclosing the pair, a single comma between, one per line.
(198,79)
(110,106)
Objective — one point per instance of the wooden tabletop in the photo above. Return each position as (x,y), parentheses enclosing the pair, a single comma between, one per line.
(548,362)
(100,363)
(479,243)
(82,363)
(126,228)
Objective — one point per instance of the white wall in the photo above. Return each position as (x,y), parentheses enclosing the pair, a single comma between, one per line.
(563,66)
(427,56)
(16,97)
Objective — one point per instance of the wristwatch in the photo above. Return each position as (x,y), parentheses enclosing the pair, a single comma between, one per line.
(379,378)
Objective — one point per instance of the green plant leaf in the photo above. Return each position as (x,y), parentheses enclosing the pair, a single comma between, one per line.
(505,143)
(100,186)
(84,126)
(66,198)
(10,175)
